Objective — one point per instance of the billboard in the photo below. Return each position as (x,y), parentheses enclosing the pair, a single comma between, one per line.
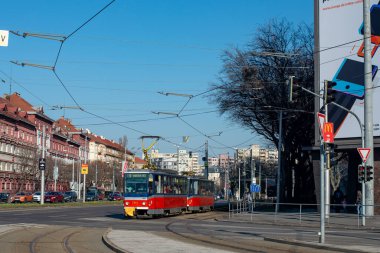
(341,59)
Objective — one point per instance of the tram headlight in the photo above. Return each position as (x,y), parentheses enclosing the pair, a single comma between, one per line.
(126,203)
(144,203)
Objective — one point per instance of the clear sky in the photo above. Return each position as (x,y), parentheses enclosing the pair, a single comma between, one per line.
(115,66)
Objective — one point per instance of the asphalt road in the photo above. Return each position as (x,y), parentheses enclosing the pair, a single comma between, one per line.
(79,229)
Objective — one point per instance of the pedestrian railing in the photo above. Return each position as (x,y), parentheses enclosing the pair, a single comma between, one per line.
(337,215)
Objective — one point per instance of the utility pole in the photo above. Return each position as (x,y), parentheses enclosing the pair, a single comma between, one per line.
(279,166)
(328,158)
(235,167)
(96,173)
(85,162)
(260,180)
(206,159)
(178,159)
(252,165)
(368,108)
(113,177)
(43,171)
(73,172)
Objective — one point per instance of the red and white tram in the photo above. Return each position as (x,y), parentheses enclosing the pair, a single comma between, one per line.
(154,193)
(200,194)
(160,192)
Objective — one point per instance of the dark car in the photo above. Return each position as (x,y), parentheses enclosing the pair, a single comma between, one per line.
(54,197)
(92,196)
(115,196)
(4,197)
(107,193)
(70,196)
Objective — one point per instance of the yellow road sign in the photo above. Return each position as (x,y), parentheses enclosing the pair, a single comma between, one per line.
(84,169)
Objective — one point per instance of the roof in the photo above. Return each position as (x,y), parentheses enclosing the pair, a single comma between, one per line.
(13,112)
(139,160)
(17,101)
(109,143)
(66,125)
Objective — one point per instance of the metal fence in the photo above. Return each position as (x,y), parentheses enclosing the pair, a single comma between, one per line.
(291,213)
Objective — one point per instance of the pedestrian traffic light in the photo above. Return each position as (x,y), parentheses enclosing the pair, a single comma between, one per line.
(361,173)
(369,173)
(330,92)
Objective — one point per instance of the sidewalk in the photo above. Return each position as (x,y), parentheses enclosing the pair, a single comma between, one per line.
(146,242)
(136,241)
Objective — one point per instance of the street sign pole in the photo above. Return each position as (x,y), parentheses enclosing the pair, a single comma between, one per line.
(368,107)
(43,170)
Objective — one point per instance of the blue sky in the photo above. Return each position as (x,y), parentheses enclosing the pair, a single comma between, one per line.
(116,64)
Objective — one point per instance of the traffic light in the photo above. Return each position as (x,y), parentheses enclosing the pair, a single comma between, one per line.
(293,89)
(361,173)
(190,154)
(330,92)
(369,173)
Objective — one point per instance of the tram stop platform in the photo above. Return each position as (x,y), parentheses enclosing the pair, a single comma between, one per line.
(131,241)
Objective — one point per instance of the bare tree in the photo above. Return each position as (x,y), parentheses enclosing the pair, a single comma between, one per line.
(252,91)
(123,141)
(27,167)
(339,171)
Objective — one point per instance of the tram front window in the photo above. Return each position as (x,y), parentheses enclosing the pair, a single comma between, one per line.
(136,183)
(136,188)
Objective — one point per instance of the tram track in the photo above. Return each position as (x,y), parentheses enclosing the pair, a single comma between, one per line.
(201,237)
(35,241)
(189,232)
(57,239)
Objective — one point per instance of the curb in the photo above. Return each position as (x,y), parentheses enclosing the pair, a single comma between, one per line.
(312,245)
(111,245)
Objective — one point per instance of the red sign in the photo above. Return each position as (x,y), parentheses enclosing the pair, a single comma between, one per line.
(124,168)
(364,153)
(328,132)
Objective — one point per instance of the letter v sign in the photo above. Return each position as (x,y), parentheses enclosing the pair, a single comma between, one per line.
(4,35)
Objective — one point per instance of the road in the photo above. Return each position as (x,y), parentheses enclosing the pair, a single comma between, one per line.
(80,229)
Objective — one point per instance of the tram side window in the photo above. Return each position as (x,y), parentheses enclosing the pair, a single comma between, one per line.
(194,187)
(158,184)
(182,185)
(150,184)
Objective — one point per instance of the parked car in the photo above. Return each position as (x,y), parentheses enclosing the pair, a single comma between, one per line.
(70,196)
(4,197)
(92,196)
(54,197)
(115,196)
(37,197)
(107,193)
(22,197)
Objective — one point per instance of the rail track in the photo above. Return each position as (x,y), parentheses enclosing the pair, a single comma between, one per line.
(57,239)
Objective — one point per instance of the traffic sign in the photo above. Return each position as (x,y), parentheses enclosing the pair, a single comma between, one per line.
(84,170)
(42,163)
(328,132)
(255,188)
(4,35)
(321,121)
(364,153)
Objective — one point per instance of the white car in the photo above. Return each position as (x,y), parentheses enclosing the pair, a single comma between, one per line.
(37,196)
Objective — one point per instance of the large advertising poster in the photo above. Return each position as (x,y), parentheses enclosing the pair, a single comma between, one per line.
(342,61)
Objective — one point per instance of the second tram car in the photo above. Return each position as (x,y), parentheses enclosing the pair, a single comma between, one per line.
(200,194)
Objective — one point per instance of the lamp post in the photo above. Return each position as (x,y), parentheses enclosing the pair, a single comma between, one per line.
(113,177)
